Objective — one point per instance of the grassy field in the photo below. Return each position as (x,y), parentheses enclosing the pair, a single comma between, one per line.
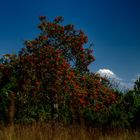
(60,132)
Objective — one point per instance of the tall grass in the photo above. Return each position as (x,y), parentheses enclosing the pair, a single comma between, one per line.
(58,131)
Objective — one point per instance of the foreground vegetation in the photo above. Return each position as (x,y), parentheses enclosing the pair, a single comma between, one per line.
(60,132)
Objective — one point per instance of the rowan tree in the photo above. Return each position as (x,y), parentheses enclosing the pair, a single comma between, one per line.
(65,38)
(53,70)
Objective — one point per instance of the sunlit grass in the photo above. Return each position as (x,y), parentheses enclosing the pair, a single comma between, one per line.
(60,132)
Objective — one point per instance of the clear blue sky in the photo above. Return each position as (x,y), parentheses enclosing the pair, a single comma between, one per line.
(112,25)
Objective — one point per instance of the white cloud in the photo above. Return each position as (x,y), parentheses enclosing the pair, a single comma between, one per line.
(116,80)
(108,74)
(136,77)
(126,86)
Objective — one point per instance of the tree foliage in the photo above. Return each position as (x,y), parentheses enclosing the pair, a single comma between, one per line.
(50,78)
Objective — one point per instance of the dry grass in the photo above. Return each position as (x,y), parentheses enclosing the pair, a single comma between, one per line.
(60,132)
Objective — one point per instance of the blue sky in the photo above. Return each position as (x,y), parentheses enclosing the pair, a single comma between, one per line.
(112,25)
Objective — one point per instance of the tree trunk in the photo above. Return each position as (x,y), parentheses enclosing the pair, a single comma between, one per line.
(11,109)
